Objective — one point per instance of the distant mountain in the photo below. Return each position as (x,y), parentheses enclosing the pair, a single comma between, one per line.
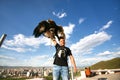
(109,64)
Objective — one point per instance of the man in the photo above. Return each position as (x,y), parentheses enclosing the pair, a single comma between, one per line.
(60,67)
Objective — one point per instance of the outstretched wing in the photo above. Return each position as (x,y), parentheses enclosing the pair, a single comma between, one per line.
(49,29)
(40,28)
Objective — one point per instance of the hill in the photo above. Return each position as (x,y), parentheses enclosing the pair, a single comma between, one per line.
(109,64)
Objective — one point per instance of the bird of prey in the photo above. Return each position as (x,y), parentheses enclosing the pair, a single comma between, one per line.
(49,29)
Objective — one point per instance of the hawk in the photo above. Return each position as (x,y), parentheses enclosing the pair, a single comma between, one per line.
(49,29)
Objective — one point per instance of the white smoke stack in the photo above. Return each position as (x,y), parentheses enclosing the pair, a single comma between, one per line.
(2,39)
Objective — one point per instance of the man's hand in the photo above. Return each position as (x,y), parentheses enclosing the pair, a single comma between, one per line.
(54,41)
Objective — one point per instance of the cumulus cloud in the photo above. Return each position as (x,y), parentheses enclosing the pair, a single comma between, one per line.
(35,61)
(108,53)
(68,30)
(85,61)
(21,43)
(60,14)
(86,44)
(105,53)
(89,61)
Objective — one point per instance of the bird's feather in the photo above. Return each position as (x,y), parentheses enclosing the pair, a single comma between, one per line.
(49,29)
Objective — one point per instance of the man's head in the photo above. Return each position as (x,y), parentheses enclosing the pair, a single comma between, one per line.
(62,41)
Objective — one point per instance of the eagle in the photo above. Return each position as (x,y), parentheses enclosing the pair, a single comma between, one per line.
(49,29)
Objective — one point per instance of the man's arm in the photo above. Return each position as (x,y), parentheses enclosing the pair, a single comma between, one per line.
(73,63)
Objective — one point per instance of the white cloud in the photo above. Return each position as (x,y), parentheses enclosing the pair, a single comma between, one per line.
(39,60)
(68,30)
(88,61)
(7,60)
(21,43)
(83,61)
(6,57)
(60,14)
(105,53)
(18,49)
(81,20)
(106,26)
(118,53)
(110,54)
(92,60)
(87,44)
(46,60)
(35,61)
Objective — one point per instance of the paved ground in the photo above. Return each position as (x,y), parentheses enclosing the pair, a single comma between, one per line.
(115,76)
(37,79)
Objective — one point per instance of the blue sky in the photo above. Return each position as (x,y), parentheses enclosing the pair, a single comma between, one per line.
(91,27)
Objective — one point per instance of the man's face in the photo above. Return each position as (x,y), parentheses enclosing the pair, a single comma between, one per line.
(62,42)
